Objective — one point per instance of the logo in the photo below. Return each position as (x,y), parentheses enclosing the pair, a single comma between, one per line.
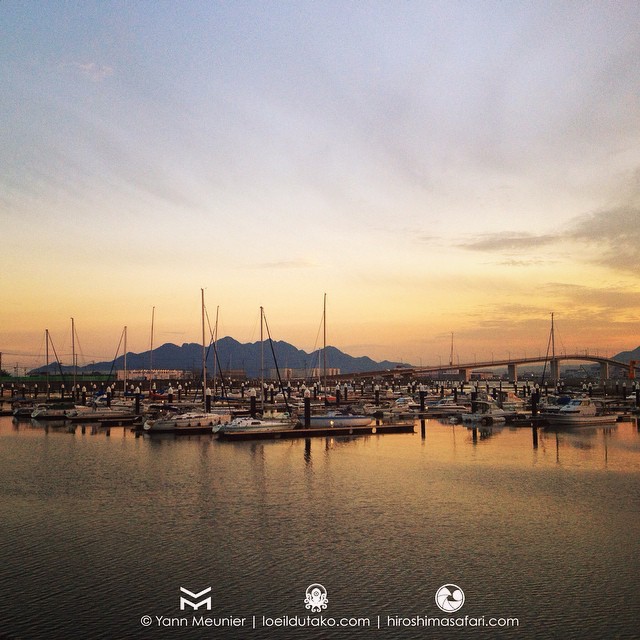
(449,597)
(316,599)
(195,605)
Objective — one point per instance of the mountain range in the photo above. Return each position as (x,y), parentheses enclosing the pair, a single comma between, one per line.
(233,355)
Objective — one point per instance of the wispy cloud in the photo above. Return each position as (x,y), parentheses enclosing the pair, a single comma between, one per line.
(613,235)
(286,264)
(91,70)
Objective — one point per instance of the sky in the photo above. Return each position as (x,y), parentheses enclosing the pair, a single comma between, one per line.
(435,168)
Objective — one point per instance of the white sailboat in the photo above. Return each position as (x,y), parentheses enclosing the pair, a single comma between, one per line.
(192,421)
(336,417)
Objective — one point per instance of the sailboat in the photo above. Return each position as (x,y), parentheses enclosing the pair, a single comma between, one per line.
(271,421)
(58,410)
(336,417)
(191,421)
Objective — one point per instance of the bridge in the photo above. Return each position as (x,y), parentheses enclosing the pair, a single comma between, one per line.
(464,369)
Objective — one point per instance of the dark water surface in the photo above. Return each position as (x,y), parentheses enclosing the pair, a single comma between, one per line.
(98,531)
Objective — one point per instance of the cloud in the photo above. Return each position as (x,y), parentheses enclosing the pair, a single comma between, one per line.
(508,241)
(612,233)
(286,264)
(91,70)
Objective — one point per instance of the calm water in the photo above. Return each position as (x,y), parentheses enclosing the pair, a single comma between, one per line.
(97,531)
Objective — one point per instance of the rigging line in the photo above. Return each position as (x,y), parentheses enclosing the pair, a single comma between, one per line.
(546,358)
(77,337)
(212,343)
(315,350)
(113,362)
(57,359)
(273,353)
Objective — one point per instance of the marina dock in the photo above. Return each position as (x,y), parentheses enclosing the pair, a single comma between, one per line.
(282,434)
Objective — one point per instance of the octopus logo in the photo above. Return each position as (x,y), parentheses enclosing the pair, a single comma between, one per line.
(450,597)
(316,599)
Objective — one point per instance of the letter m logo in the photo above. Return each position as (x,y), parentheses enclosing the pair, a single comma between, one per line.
(194,604)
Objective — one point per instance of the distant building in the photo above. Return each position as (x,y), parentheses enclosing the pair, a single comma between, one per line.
(483,375)
(287,373)
(155,374)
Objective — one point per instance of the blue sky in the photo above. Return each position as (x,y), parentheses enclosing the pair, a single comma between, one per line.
(435,167)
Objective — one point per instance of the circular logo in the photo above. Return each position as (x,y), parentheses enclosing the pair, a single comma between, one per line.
(316,599)
(449,597)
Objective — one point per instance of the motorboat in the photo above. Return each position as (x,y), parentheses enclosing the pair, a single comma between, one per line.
(448,407)
(578,412)
(485,412)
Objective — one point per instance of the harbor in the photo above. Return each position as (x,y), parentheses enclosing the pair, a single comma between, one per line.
(382,521)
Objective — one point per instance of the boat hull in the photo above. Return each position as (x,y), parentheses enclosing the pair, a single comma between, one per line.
(242,425)
(197,423)
(317,422)
(556,420)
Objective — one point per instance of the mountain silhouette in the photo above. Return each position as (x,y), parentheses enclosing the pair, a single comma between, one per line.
(234,356)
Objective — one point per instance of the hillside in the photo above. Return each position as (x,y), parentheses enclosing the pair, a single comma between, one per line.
(232,355)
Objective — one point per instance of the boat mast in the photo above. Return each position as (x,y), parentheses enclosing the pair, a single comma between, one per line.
(204,359)
(153,316)
(125,360)
(215,351)
(262,359)
(451,353)
(46,341)
(324,348)
(73,354)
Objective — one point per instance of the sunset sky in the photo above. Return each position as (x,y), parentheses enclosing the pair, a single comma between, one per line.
(434,167)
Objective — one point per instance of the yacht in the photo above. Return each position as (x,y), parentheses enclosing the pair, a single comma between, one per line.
(578,412)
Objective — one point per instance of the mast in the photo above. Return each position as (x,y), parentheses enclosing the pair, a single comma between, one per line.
(204,358)
(46,342)
(215,346)
(324,348)
(73,354)
(262,358)
(153,315)
(451,353)
(125,360)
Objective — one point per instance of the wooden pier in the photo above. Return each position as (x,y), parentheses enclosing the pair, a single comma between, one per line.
(324,432)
